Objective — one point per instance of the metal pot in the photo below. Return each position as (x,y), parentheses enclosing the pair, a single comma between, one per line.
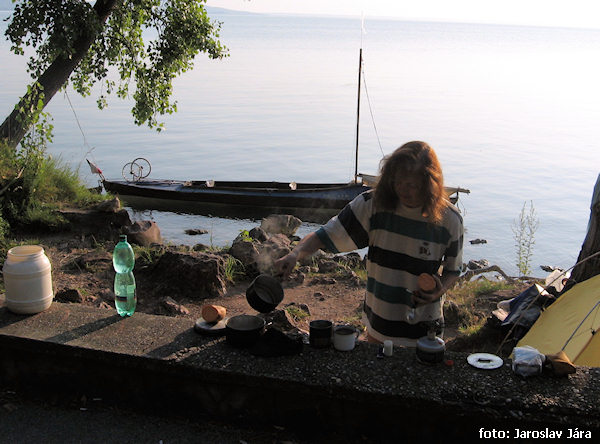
(244,330)
(264,293)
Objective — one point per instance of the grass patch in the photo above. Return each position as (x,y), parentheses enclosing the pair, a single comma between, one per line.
(146,256)
(234,269)
(361,273)
(33,186)
(296,312)
(469,317)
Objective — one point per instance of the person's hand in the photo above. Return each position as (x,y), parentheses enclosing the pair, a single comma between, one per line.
(420,297)
(285,265)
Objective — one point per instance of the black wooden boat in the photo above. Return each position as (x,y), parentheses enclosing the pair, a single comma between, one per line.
(332,196)
(315,202)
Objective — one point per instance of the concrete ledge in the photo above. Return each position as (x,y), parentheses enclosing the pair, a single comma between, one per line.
(160,363)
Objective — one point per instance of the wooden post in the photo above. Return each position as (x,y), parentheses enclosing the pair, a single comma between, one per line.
(591,244)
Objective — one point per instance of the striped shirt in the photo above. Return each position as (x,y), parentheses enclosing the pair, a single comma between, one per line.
(401,245)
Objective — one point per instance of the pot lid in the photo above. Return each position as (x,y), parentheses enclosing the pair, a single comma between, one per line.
(485,361)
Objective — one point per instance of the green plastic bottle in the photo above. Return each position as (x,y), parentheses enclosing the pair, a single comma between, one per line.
(125,291)
(125,294)
(123,257)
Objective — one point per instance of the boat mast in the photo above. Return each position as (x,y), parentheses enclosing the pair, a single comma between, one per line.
(357,116)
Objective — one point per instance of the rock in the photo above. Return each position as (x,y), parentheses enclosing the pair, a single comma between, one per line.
(104,226)
(195,231)
(318,255)
(550,268)
(328,266)
(258,234)
(352,260)
(107,295)
(104,305)
(200,247)
(281,320)
(477,265)
(280,224)
(302,307)
(172,307)
(297,278)
(478,241)
(323,281)
(194,275)
(451,313)
(94,261)
(351,278)
(69,295)
(269,251)
(143,232)
(109,206)
(246,252)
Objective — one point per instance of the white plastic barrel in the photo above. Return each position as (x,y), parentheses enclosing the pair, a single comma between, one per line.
(27,280)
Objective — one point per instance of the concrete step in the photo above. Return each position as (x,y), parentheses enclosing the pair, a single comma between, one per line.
(161,363)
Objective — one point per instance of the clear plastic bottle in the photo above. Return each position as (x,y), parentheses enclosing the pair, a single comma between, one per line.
(125,291)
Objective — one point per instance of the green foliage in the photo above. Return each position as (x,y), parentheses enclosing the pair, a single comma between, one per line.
(144,44)
(466,296)
(146,256)
(484,286)
(524,230)
(33,185)
(296,312)
(234,269)
(245,236)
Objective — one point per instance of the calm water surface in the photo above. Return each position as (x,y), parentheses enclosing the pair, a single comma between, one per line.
(512,112)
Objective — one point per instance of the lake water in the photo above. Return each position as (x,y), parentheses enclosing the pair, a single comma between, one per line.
(512,112)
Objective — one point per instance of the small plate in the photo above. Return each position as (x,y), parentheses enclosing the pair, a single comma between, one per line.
(210,328)
(485,361)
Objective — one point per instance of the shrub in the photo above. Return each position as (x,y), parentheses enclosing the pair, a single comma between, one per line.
(524,229)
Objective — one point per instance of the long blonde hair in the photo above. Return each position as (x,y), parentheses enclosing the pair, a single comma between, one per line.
(412,158)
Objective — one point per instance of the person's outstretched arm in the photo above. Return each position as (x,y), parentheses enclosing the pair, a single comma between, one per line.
(307,246)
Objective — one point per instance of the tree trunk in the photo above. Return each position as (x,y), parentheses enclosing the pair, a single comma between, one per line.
(16,125)
(591,244)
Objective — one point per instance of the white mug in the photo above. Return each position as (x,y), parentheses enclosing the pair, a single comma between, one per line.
(344,337)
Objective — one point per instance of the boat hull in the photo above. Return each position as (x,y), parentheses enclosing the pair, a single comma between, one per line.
(325,199)
(309,201)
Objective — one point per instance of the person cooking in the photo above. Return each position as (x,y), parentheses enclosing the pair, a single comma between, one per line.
(409,227)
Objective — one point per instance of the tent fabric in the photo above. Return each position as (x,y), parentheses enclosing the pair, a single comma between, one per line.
(574,317)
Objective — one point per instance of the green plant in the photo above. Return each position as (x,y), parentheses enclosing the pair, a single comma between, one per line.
(245,235)
(296,312)
(147,255)
(233,268)
(524,230)
(33,185)
(470,330)
(466,296)
(361,273)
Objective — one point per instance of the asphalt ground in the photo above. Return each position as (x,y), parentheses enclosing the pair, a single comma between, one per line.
(27,419)
(24,419)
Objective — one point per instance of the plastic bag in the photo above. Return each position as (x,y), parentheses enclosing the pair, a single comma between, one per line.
(527,361)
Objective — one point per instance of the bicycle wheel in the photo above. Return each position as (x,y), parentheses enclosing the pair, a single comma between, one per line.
(144,167)
(131,172)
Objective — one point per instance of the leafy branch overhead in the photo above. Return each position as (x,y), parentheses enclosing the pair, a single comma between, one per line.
(132,48)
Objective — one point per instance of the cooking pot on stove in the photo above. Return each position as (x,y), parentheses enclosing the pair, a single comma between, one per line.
(264,293)
(244,330)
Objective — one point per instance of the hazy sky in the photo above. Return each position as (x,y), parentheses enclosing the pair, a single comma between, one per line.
(570,13)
